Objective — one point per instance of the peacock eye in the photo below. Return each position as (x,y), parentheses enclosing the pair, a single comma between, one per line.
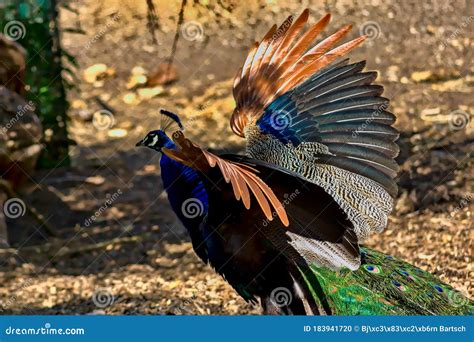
(154,139)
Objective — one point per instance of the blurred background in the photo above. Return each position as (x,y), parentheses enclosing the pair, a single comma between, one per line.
(85,226)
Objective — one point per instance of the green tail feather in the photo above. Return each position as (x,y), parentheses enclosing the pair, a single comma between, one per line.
(384,285)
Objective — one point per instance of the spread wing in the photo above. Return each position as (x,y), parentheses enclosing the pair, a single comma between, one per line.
(243,178)
(320,232)
(280,62)
(300,93)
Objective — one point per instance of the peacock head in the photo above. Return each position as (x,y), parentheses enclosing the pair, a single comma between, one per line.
(158,139)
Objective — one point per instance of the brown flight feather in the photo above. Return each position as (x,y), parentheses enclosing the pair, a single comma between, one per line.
(282,61)
(241,177)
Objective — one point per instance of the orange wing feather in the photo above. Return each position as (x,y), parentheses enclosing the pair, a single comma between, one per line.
(280,62)
(241,177)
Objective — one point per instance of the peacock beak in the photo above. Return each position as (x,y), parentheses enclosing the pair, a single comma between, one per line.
(140,143)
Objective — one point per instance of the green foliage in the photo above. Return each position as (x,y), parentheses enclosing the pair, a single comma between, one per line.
(37,31)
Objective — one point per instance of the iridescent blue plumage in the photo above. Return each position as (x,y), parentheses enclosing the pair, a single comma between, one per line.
(277,119)
(182,184)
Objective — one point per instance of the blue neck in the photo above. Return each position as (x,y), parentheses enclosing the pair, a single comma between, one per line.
(183,184)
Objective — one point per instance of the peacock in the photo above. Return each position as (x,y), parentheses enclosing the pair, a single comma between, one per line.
(284,223)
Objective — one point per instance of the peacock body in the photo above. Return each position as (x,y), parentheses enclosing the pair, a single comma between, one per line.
(320,166)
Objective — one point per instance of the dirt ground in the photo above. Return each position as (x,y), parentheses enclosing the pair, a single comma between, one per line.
(135,258)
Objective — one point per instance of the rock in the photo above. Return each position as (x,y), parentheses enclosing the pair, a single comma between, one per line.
(83,114)
(164,74)
(117,133)
(137,78)
(12,65)
(20,137)
(392,73)
(149,93)
(421,76)
(131,99)
(97,72)
(96,180)
(404,80)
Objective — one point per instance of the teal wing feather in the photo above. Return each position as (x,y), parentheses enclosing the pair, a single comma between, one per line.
(384,285)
